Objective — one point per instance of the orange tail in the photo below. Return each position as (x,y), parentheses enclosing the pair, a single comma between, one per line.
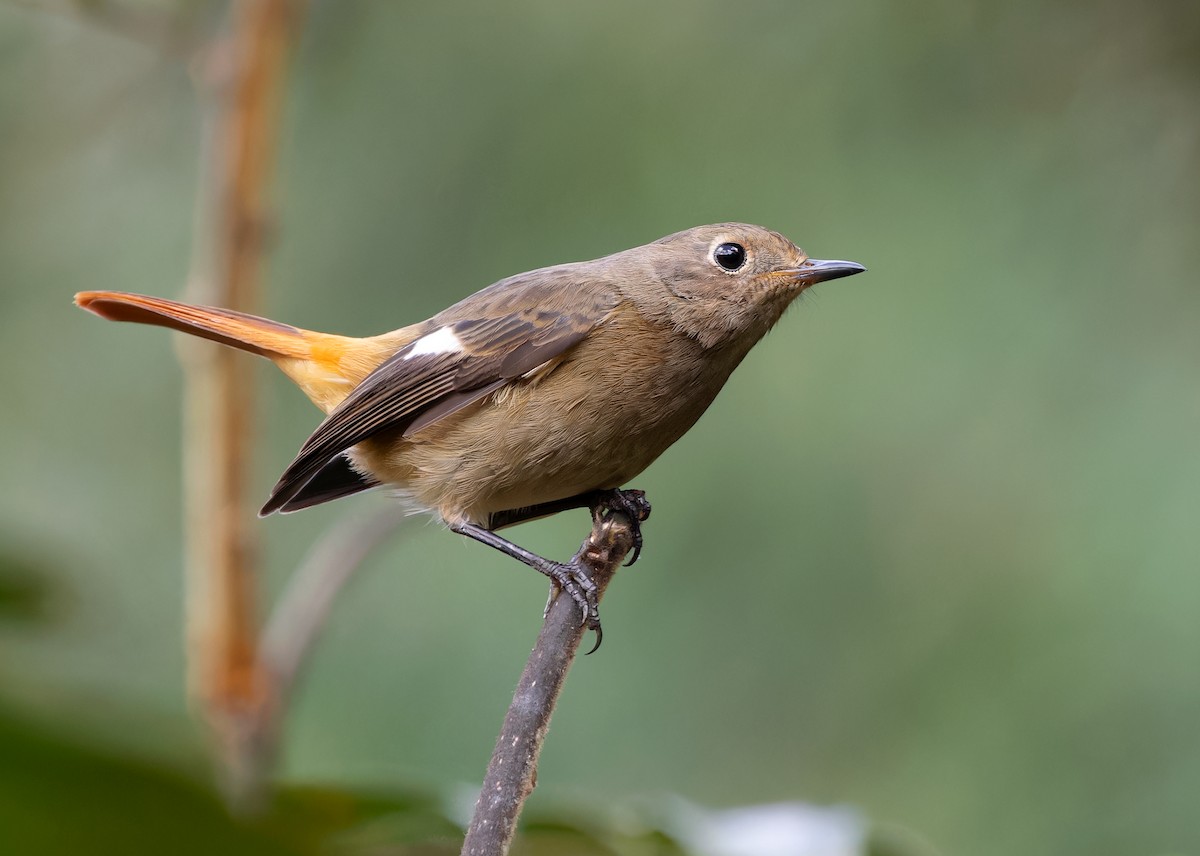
(324,366)
(247,332)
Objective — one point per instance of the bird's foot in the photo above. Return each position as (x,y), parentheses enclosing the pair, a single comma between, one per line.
(573,579)
(633,504)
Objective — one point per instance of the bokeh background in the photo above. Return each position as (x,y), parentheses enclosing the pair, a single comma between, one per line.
(932,554)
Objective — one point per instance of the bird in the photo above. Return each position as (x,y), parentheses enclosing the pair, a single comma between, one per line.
(544,391)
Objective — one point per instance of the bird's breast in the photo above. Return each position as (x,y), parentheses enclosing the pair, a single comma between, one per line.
(596,419)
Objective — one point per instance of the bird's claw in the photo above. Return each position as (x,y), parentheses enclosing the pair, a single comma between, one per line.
(634,505)
(574,580)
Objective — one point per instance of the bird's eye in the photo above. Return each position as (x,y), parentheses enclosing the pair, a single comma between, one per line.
(730,256)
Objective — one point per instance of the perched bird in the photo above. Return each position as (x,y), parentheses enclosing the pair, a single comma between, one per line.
(544,391)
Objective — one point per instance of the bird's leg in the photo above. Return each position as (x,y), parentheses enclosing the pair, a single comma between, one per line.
(632,503)
(570,577)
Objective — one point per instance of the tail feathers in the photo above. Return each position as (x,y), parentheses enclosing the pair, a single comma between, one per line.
(237,329)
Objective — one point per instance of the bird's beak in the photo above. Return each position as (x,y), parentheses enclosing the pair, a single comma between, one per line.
(819,270)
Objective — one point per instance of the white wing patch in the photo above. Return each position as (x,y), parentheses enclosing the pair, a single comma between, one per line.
(440,341)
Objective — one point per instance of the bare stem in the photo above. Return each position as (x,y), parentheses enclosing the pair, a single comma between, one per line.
(301,613)
(512,772)
(242,78)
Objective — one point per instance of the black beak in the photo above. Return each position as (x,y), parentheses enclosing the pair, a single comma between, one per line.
(818,270)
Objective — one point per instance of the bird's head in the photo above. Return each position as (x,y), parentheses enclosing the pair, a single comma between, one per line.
(733,279)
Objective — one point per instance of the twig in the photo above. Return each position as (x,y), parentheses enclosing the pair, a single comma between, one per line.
(301,613)
(171,30)
(512,772)
(242,76)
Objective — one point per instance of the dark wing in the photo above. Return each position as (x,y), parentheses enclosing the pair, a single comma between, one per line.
(412,390)
(336,479)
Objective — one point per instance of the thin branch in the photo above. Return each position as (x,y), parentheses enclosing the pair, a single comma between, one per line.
(169,30)
(301,613)
(304,606)
(512,772)
(242,75)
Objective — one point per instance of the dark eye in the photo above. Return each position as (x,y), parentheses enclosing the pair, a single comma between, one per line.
(730,256)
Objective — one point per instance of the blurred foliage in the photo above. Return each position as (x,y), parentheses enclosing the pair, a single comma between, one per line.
(24,588)
(61,795)
(58,795)
(954,582)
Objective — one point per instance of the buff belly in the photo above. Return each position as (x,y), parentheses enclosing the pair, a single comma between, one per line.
(515,448)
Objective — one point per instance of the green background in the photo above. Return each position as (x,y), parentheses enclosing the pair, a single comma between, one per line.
(933,553)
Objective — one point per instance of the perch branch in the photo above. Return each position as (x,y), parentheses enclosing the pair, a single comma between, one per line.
(512,772)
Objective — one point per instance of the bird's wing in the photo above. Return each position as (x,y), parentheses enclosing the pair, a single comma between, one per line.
(336,479)
(465,353)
